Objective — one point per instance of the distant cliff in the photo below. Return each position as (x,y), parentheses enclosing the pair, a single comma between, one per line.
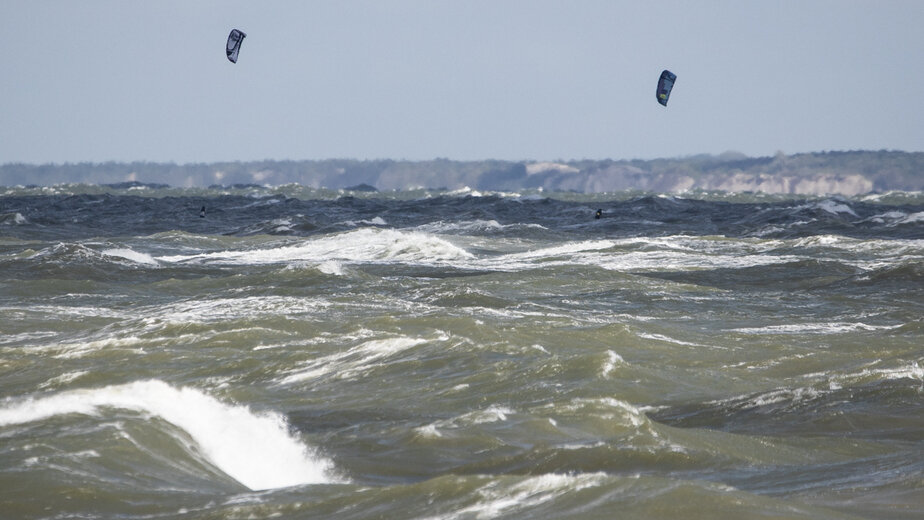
(844,173)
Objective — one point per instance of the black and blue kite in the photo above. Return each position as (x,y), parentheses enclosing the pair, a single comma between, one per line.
(665,84)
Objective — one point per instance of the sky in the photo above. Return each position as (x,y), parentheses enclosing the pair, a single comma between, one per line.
(119,80)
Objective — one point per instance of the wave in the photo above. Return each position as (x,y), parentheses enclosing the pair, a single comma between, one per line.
(129,254)
(370,245)
(255,449)
(833,207)
(905,274)
(878,403)
(66,254)
(12,219)
(91,215)
(516,496)
(816,328)
(477,227)
(353,362)
(288,225)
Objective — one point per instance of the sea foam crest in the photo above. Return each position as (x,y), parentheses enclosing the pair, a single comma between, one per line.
(257,450)
(129,254)
(815,328)
(474,226)
(831,206)
(497,500)
(912,371)
(912,218)
(896,218)
(361,245)
(351,363)
(12,219)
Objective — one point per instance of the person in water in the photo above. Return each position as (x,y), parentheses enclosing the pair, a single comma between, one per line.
(599,213)
(202,212)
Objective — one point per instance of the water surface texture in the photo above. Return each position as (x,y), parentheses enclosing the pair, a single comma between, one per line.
(299,353)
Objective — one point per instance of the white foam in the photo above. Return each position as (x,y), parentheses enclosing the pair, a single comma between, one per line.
(499,500)
(830,206)
(780,395)
(134,256)
(204,311)
(362,245)
(63,379)
(377,221)
(464,191)
(350,363)
(281,225)
(823,240)
(883,217)
(257,450)
(612,361)
(630,413)
(650,254)
(260,203)
(84,348)
(474,226)
(428,431)
(12,219)
(912,218)
(910,371)
(331,267)
(814,328)
(569,253)
(668,339)
(491,414)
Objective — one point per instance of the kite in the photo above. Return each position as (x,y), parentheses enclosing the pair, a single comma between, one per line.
(234,44)
(665,84)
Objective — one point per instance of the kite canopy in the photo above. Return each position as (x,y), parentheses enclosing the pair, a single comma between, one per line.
(234,44)
(665,84)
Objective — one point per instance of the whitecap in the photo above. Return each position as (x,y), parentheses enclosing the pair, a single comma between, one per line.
(474,226)
(372,245)
(830,206)
(814,328)
(331,267)
(63,379)
(350,363)
(668,339)
(492,414)
(630,413)
(129,254)
(912,218)
(12,219)
(910,371)
(501,500)
(887,216)
(612,361)
(256,449)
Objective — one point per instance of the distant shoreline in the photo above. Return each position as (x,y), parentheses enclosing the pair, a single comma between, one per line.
(822,173)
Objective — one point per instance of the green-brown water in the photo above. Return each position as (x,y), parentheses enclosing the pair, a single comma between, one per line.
(306,354)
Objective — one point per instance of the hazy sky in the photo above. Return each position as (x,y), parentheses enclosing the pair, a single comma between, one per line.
(101,80)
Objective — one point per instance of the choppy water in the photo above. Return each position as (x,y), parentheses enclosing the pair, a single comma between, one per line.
(299,353)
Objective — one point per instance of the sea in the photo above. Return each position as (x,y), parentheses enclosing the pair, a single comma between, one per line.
(254,352)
